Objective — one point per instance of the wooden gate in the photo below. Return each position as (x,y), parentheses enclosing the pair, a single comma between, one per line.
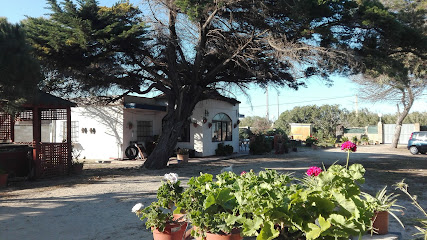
(388,133)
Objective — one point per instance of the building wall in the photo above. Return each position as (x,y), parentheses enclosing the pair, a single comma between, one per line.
(116,127)
(106,142)
(201,136)
(132,116)
(300,131)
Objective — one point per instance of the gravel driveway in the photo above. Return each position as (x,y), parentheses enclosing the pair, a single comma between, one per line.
(97,204)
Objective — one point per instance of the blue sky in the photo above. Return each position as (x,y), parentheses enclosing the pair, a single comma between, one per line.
(342,92)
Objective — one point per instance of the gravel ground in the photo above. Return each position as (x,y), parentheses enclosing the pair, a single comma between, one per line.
(97,204)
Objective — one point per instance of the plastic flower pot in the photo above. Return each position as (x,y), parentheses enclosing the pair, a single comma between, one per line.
(381,222)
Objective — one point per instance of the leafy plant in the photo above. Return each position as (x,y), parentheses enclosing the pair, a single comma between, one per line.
(260,144)
(422,230)
(210,203)
(344,139)
(160,213)
(383,202)
(364,138)
(354,139)
(224,150)
(310,140)
(183,151)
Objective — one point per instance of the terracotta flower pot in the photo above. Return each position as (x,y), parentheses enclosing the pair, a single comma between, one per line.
(381,222)
(171,232)
(235,234)
(183,158)
(218,236)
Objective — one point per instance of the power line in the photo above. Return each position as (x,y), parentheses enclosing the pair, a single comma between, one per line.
(315,100)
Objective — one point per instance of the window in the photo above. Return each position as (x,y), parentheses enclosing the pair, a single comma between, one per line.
(74,131)
(144,129)
(221,128)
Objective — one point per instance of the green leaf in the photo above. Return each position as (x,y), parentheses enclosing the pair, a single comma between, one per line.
(337,219)
(268,232)
(251,226)
(314,231)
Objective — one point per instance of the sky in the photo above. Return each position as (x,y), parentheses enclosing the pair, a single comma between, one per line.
(343,92)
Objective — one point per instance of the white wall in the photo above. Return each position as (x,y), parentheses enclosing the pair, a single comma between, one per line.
(201,136)
(132,116)
(106,142)
(113,134)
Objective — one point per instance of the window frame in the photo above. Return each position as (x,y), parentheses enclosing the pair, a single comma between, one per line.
(222,126)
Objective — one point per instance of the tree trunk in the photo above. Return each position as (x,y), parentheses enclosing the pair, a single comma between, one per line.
(407,104)
(159,158)
(178,115)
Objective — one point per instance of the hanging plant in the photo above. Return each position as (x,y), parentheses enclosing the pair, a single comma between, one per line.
(195,124)
(238,121)
(209,125)
(130,125)
(235,125)
(205,120)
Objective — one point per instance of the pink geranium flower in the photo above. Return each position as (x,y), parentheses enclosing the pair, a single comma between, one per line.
(349,146)
(242,173)
(314,171)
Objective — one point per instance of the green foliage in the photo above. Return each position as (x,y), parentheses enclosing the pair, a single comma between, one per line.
(19,71)
(364,138)
(354,139)
(344,139)
(224,150)
(269,204)
(260,144)
(183,151)
(244,133)
(160,212)
(422,230)
(97,43)
(311,141)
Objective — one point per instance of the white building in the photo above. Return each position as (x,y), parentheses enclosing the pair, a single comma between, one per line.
(105,131)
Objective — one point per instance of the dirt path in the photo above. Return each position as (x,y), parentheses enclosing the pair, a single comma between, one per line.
(97,204)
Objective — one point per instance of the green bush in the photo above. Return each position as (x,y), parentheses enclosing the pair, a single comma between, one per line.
(260,145)
(224,150)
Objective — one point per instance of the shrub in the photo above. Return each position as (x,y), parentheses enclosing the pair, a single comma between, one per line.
(260,145)
(344,139)
(311,140)
(224,150)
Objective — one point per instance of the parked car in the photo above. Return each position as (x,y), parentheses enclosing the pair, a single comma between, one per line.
(418,142)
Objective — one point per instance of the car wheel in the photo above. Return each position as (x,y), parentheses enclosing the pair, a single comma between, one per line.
(413,150)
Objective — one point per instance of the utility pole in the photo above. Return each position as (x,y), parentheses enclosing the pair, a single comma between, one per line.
(278,105)
(357,109)
(266,91)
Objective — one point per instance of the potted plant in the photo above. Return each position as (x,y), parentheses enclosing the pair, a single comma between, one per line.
(77,167)
(167,222)
(212,206)
(383,205)
(3,178)
(182,154)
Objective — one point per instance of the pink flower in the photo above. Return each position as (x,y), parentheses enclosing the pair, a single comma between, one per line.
(242,173)
(349,146)
(314,171)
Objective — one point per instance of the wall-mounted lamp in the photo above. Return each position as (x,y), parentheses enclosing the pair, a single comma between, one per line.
(84,130)
(92,130)
(206,113)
